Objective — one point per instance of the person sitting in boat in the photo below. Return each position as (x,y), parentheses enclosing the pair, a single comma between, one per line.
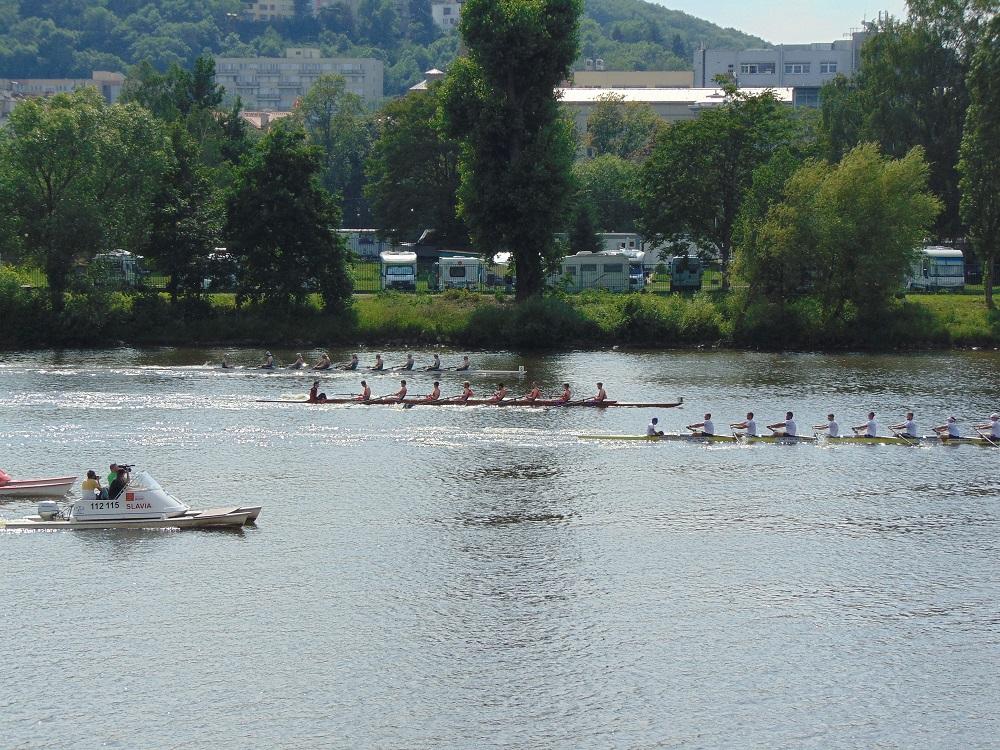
(268,362)
(466,364)
(601,396)
(534,394)
(408,364)
(118,486)
(566,395)
(500,395)
(225,364)
(324,362)
(379,364)
(366,393)
(399,395)
(4,477)
(315,397)
(869,428)
(435,394)
(435,365)
(948,430)
(652,430)
(831,428)
(705,427)
(749,425)
(990,429)
(113,473)
(786,428)
(92,486)
(906,428)
(298,364)
(466,392)
(351,365)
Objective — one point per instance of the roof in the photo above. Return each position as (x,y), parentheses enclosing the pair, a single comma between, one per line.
(704,97)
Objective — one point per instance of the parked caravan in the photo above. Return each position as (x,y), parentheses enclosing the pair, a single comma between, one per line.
(363,243)
(119,268)
(937,268)
(460,272)
(399,270)
(686,273)
(594,271)
(636,269)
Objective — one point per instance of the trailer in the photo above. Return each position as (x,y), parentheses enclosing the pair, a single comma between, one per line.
(399,270)
(459,272)
(937,267)
(602,270)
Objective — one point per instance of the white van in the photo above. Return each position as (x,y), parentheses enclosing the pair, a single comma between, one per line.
(460,272)
(399,270)
(937,268)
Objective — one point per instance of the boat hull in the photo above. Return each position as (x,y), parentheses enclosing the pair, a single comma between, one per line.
(785,440)
(209,519)
(537,404)
(55,487)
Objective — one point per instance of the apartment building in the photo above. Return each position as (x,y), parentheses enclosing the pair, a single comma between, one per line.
(272,84)
(446,13)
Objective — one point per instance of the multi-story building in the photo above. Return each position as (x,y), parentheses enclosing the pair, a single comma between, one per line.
(802,67)
(631,79)
(446,13)
(269,10)
(12,91)
(277,83)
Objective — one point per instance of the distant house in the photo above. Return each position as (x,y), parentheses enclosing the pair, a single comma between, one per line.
(446,13)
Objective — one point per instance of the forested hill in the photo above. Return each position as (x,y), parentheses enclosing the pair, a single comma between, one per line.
(71,38)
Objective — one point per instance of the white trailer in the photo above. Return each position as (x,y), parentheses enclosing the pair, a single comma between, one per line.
(399,270)
(594,271)
(460,272)
(937,268)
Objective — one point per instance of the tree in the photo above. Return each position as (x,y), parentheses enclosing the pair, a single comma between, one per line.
(980,155)
(610,185)
(583,232)
(516,149)
(412,171)
(693,184)
(841,117)
(82,172)
(845,233)
(624,129)
(280,223)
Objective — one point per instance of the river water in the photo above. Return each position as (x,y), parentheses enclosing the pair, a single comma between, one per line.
(482,578)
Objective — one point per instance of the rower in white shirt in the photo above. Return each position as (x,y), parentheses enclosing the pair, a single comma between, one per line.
(906,428)
(706,427)
(749,424)
(786,428)
(949,429)
(831,427)
(651,429)
(868,429)
(990,429)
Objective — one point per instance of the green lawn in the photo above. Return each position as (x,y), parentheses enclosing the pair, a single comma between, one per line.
(964,315)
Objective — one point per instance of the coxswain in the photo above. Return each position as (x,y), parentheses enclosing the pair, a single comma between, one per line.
(366,392)
(466,392)
(501,393)
(268,362)
(948,430)
(705,427)
(652,430)
(566,395)
(868,429)
(534,394)
(298,364)
(435,393)
(352,365)
(990,429)
(435,365)
(466,364)
(749,424)
(831,428)
(786,428)
(401,393)
(601,396)
(379,364)
(315,397)
(906,428)
(324,362)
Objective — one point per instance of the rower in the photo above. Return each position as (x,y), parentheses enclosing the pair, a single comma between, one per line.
(651,428)
(466,392)
(534,394)
(993,426)
(705,427)
(566,395)
(324,362)
(408,365)
(366,393)
(786,428)
(601,395)
(435,365)
(379,364)
(298,364)
(225,364)
(352,365)
(315,397)
(906,428)
(435,393)
(869,428)
(401,393)
(948,430)
(268,362)
(831,427)
(466,364)
(749,424)
(499,396)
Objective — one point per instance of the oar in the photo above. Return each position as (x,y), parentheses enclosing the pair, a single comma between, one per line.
(902,437)
(986,437)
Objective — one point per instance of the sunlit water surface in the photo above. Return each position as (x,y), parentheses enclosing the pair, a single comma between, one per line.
(482,578)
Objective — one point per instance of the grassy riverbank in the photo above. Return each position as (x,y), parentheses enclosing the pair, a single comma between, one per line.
(474,320)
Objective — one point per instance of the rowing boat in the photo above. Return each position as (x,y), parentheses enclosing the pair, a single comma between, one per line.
(787,440)
(538,403)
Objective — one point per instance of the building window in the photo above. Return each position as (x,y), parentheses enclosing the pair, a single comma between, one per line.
(614,268)
(447,10)
(757,69)
(828,67)
(796,67)
(588,267)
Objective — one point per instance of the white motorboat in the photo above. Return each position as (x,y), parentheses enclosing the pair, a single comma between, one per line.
(143,504)
(52,487)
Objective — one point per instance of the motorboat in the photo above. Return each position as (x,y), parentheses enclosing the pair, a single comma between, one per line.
(52,487)
(142,504)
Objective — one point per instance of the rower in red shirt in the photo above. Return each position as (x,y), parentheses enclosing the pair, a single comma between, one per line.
(366,393)
(601,396)
(401,393)
(566,395)
(435,393)
(466,392)
(534,394)
(501,393)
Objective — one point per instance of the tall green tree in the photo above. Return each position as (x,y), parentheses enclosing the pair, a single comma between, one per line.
(412,171)
(623,129)
(846,233)
(280,222)
(583,231)
(610,184)
(980,155)
(517,150)
(82,172)
(693,185)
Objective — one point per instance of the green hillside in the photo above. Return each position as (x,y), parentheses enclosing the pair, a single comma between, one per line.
(70,38)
